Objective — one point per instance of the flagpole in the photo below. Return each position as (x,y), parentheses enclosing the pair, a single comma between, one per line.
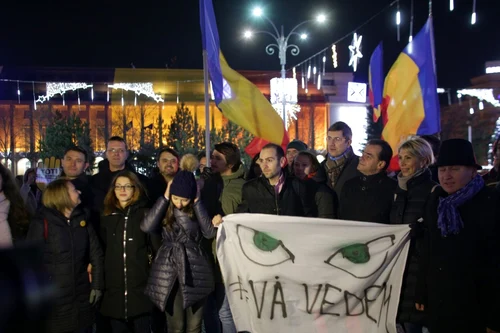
(207,108)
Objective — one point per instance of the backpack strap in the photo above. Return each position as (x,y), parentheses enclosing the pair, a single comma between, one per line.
(45,229)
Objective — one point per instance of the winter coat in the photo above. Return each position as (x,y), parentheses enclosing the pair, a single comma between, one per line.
(368,198)
(459,275)
(349,171)
(5,233)
(71,244)
(222,194)
(125,272)
(325,199)
(294,199)
(156,187)
(408,208)
(181,256)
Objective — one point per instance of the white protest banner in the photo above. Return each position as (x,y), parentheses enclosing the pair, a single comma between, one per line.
(306,275)
(50,171)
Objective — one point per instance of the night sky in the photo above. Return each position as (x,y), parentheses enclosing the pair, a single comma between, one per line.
(153,34)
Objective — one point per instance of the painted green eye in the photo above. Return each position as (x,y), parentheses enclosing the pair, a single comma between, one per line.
(265,242)
(356,253)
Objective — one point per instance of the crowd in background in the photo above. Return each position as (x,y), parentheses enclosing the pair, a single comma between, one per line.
(130,253)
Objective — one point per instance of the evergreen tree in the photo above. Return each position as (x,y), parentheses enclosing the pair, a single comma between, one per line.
(63,133)
(373,129)
(181,131)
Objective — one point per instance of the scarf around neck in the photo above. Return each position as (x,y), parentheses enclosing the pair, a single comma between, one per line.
(335,165)
(449,219)
(403,180)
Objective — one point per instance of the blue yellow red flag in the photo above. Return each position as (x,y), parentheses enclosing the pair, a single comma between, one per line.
(240,100)
(410,92)
(376,80)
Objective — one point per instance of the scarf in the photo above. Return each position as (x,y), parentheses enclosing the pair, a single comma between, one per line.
(449,220)
(335,165)
(403,180)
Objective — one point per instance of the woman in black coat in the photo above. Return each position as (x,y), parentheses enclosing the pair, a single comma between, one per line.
(414,187)
(126,263)
(181,276)
(70,245)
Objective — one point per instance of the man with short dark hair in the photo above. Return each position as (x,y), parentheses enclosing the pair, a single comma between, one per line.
(221,195)
(340,163)
(167,161)
(292,150)
(369,197)
(74,163)
(274,192)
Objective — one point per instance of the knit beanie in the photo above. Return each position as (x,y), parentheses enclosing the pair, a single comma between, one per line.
(297,144)
(184,184)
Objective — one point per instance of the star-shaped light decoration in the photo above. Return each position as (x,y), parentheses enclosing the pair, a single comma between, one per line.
(355,49)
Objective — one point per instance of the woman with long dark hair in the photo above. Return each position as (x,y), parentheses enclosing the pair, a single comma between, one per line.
(181,276)
(14,220)
(126,265)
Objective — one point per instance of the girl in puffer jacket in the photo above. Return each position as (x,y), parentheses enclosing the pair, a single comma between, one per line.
(181,276)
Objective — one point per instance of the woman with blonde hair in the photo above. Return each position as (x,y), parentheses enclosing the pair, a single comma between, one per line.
(126,262)
(414,186)
(70,244)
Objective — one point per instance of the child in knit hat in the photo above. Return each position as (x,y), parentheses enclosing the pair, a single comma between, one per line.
(181,276)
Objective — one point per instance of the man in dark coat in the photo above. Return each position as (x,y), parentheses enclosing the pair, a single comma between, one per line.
(340,163)
(274,192)
(458,283)
(369,197)
(167,161)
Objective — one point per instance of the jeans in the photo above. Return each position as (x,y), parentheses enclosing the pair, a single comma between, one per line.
(133,325)
(225,315)
(180,320)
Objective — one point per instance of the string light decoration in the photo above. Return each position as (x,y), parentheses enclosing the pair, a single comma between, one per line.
(18,93)
(144,88)
(473,17)
(294,73)
(324,64)
(334,56)
(290,96)
(398,21)
(411,22)
(452,5)
(34,97)
(355,49)
(481,94)
(59,88)
(92,94)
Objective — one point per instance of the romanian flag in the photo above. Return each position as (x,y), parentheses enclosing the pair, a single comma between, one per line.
(410,92)
(240,100)
(376,80)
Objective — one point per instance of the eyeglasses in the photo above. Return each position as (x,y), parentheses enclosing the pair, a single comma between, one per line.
(116,150)
(124,187)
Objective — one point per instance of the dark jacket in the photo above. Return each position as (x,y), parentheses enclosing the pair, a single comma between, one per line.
(70,246)
(408,208)
(459,274)
(349,171)
(492,177)
(181,256)
(156,187)
(126,272)
(325,199)
(101,182)
(368,198)
(260,197)
(83,184)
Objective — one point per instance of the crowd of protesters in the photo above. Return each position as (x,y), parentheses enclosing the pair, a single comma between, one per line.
(135,254)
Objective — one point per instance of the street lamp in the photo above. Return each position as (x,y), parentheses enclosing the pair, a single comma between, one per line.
(281,44)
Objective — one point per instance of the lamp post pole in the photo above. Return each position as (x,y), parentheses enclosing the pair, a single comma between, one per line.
(281,44)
